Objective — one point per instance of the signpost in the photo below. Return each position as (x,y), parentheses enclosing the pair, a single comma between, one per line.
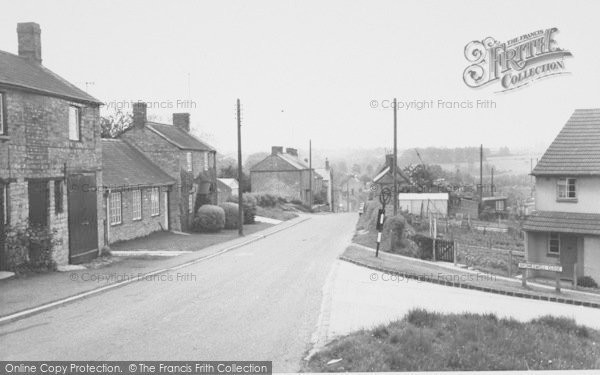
(557,269)
(384,198)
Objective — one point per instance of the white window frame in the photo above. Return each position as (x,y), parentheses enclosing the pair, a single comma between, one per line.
(155,201)
(499,205)
(189,159)
(74,129)
(2,123)
(115,208)
(550,240)
(136,204)
(564,186)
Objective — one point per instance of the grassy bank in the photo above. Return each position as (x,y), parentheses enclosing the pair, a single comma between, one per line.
(425,341)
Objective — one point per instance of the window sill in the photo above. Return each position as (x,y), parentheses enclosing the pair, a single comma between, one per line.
(4,137)
(566,200)
(115,224)
(138,219)
(553,255)
(155,215)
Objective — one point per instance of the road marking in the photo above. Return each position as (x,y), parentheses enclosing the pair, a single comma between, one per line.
(47,306)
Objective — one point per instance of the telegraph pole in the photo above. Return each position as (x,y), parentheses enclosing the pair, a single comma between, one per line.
(240,206)
(395,162)
(310,175)
(481,173)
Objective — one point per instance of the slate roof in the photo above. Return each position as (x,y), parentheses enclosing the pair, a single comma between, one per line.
(563,222)
(576,149)
(230,182)
(124,166)
(22,73)
(295,161)
(178,137)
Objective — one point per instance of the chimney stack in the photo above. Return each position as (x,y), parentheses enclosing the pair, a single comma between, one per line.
(182,121)
(30,41)
(292,151)
(139,114)
(389,160)
(276,150)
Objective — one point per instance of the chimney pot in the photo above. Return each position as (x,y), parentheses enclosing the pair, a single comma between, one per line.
(276,150)
(182,121)
(30,41)
(139,114)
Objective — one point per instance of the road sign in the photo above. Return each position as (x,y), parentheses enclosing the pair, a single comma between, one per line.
(385,196)
(541,267)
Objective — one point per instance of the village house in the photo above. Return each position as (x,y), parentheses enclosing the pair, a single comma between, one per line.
(326,175)
(565,226)
(136,192)
(185,158)
(284,174)
(227,188)
(50,154)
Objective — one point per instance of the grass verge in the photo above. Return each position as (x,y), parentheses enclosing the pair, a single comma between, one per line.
(426,341)
(276,213)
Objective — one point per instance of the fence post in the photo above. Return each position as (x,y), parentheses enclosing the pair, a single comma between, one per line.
(575,275)
(510,261)
(455,252)
(557,282)
(524,277)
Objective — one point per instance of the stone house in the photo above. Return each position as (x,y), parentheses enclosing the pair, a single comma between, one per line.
(564,229)
(136,192)
(326,175)
(50,154)
(285,174)
(185,158)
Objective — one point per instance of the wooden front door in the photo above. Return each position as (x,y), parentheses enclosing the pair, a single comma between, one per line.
(39,202)
(568,255)
(83,218)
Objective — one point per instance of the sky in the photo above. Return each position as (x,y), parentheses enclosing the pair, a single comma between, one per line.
(312,69)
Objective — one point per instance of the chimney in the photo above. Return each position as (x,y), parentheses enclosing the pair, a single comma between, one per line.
(139,114)
(292,151)
(327,164)
(276,150)
(389,160)
(182,121)
(30,42)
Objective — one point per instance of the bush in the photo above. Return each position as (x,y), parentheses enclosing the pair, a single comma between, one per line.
(209,218)
(30,247)
(231,215)
(587,282)
(249,206)
(393,228)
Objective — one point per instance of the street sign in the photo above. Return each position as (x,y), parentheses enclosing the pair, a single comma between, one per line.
(380,219)
(541,267)
(385,196)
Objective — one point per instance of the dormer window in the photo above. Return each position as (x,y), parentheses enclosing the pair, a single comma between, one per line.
(74,123)
(566,189)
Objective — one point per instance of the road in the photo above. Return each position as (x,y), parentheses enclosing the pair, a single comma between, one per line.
(258,302)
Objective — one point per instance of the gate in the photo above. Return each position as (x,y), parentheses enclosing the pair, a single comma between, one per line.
(444,250)
(83,218)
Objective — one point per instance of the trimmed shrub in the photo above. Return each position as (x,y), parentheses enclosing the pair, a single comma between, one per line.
(209,218)
(249,206)
(30,247)
(587,282)
(393,228)
(231,215)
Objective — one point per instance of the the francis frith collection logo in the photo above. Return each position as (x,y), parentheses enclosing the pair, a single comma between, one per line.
(515,63)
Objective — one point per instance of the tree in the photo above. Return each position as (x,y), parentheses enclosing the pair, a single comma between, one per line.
(254,159)
(356,169)
(113,125)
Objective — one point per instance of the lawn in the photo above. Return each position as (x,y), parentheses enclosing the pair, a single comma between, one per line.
(426,341)
(276,213)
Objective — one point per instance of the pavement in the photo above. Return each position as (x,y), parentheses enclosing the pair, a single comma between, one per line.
(261,301)
(362,298)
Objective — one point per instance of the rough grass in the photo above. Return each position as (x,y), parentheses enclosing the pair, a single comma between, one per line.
(426,341)
(276,213)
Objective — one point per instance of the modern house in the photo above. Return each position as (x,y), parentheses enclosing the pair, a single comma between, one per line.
(50,154)
(227,188)
(136,192)
(185,158)
(565,226)
(284,174)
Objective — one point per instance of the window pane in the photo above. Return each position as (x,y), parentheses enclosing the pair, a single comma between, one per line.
(115,208)
(73,123)
(154,202)
(136,198)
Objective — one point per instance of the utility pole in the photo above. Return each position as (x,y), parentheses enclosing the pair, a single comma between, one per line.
(492,186)
(348,195)
(310,175)
(481,173)
(395,162)
(240,206)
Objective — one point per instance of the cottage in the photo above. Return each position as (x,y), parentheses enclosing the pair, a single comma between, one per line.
(565,227)
(284,174)
(326,175)
(187,159)
(136,192)
(227,188)
(385,176)
(50,154)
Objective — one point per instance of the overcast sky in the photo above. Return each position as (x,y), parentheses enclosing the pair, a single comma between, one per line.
(309,69)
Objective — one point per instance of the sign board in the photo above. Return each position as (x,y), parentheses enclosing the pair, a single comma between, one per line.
(541,267)
(380,219)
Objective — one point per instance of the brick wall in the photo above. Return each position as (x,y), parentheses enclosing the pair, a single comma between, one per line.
(38,146)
